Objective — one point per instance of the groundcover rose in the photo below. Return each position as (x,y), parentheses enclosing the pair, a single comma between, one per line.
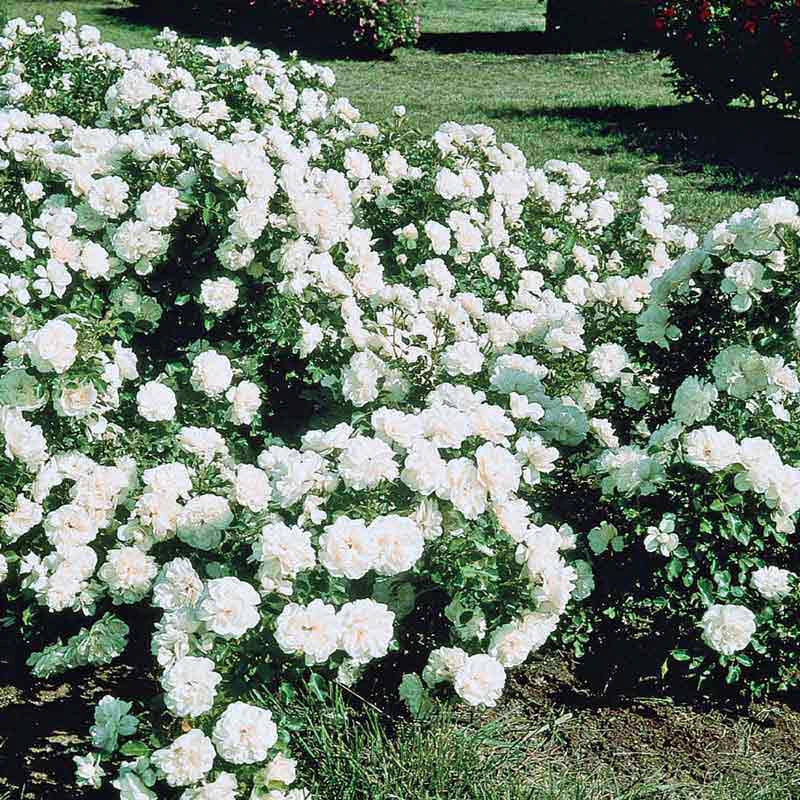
(506,386)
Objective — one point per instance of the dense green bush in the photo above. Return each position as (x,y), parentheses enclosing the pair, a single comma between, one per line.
(733,49)
(576,23)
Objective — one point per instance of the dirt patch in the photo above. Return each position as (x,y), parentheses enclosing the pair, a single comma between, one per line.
(43,724)
(643,738)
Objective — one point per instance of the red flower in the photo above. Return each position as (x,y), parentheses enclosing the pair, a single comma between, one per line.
(751,26)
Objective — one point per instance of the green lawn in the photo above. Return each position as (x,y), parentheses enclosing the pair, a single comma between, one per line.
(613,111)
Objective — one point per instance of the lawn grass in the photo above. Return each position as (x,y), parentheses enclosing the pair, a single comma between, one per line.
(613,111)
(512,754)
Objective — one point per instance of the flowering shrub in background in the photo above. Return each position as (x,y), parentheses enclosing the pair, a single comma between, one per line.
(371,27)
(524,389)
(732,49)
(375,25)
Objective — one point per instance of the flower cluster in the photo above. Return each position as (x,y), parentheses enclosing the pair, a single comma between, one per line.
(522,381)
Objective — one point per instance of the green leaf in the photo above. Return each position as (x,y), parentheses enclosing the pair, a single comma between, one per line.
(674,568)
(723,579)
(287,692)
(680,655)
(134,749)
(318,686)
(706,589)
(100,644)
(414,694)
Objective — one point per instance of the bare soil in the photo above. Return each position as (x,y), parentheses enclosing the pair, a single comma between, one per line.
(43,724)
(644,738)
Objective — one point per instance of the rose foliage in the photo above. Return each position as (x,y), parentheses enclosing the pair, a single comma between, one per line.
(523,388)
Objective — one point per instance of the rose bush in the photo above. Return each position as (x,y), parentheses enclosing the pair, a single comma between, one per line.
(369,27)
(374,25)
(733,49)
(516,388)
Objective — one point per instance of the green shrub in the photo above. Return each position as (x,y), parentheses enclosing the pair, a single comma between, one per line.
(577,23)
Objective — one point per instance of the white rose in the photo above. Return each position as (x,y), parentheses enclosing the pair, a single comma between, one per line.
(346,549)
(281,770)
(711,449)
(220,295)
(186,760)
(312,335)
(75,400)
(156,402)
(243,734)
(95,261)
(728,628)
(443,664)
(251,487)
(202,520)
(229,607)
(607,361)
(245,400)
(367,628)
(311,631)
(464,489)
(463,358)
(158,206)
(211,373)
(498,470)
(399,544)
(480,680)
(190,686)
(772,583)
(53,347)
(365,462)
